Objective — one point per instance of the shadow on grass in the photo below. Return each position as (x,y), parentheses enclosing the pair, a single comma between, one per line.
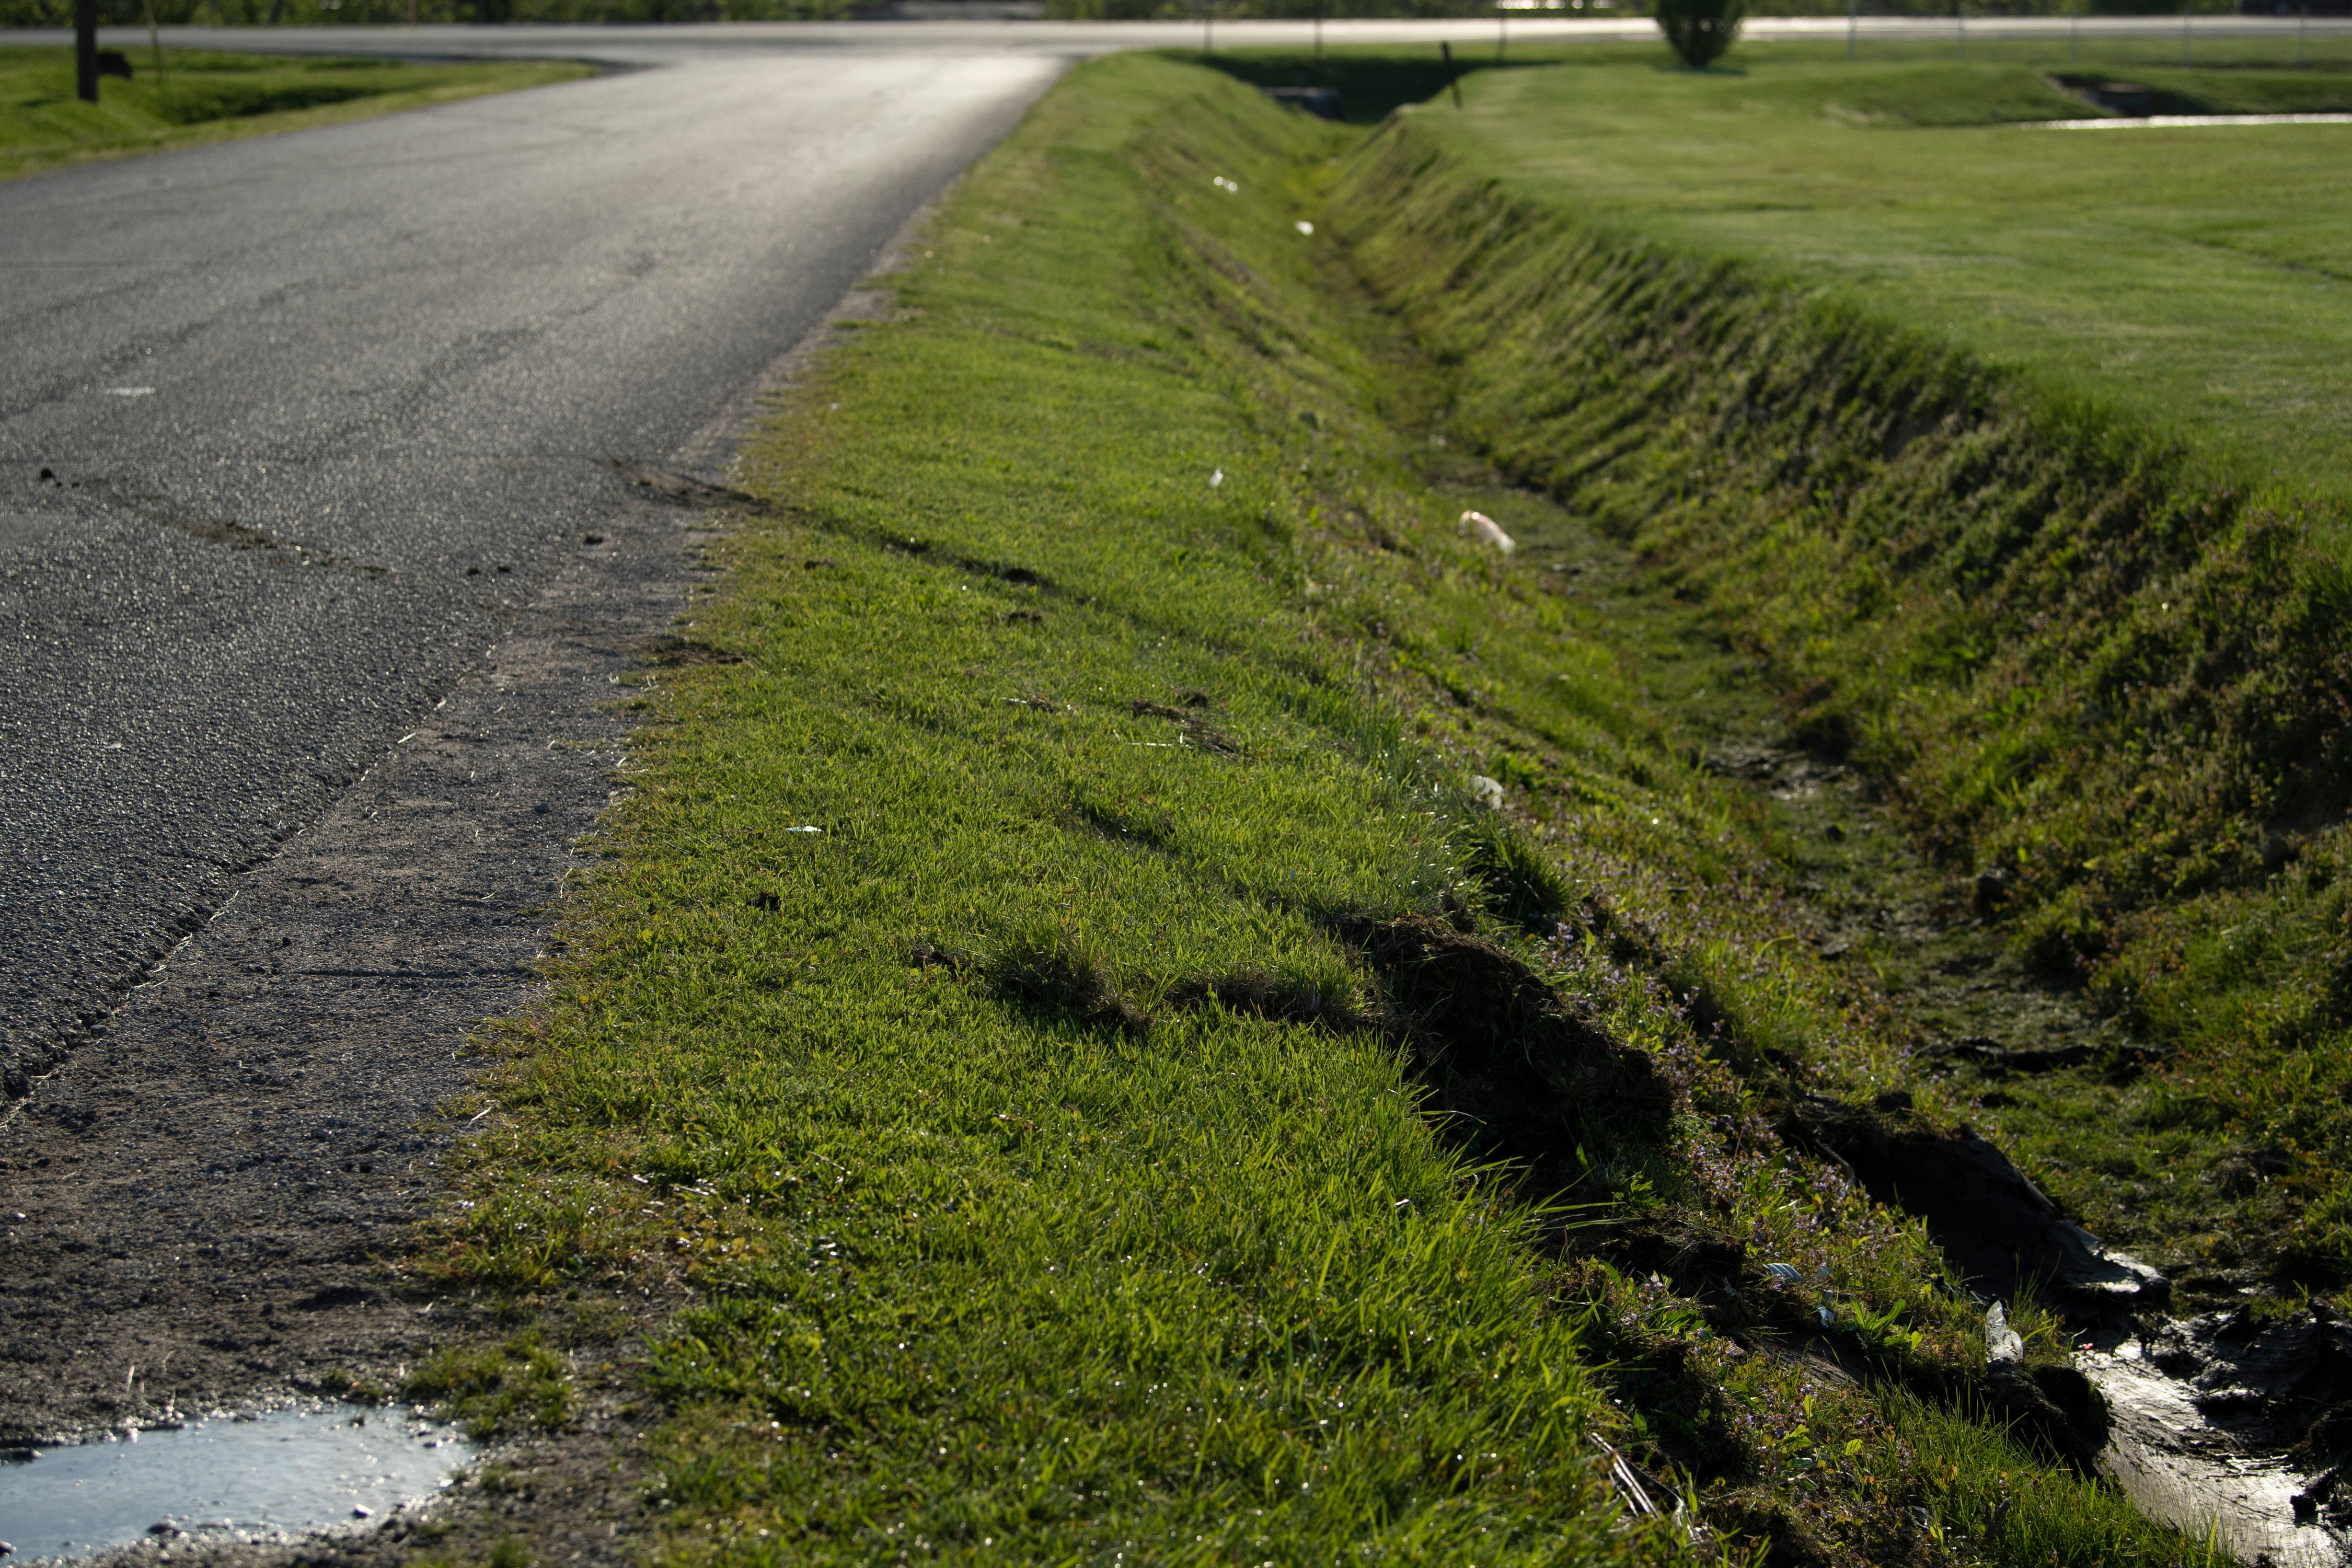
(1369,86)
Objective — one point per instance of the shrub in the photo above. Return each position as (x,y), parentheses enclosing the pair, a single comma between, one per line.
(1700,30)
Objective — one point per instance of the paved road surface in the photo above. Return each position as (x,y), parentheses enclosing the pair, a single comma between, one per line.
(321,410)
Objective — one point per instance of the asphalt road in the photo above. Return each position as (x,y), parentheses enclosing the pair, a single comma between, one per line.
(317,412)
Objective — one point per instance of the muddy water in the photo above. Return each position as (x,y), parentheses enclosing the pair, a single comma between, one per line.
(265,1478)
(2182,1471)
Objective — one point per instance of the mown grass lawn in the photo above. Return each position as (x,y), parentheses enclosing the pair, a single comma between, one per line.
(202,96)
(2193,278)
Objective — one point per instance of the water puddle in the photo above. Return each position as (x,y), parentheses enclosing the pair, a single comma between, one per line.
(2181,1470)
(2234,1427)
(256,1478)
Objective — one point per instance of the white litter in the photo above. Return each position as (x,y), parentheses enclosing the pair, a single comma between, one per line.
(1487,792)
(1222,184)
(1487,530)
(2002,1341)
(131,392)
(1303,227)
(1216,479)
(804,830)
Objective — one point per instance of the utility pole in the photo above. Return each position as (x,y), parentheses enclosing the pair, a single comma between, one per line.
(1453,83)
(155,44)
(86,50)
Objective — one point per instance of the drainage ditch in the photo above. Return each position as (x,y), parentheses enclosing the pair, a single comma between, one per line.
(2216,1409)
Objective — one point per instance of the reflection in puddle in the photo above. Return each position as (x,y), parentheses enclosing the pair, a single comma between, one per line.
(274,1475)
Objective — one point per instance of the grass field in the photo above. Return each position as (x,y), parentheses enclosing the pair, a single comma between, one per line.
(201,95)
(2191,277)
(1035,1028)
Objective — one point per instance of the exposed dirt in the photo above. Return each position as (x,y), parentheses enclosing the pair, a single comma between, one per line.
(1992,1222)
(1512,1069)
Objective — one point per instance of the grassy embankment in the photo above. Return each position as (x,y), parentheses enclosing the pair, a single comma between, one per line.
(2017,457)
(201,97)
(1155,1111)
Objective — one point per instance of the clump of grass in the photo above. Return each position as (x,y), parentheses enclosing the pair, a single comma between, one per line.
(1985,1491)
(1326,998)
(1058,971)
(494,1390)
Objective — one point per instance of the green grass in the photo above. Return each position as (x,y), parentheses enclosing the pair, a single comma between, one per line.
(201,97)
(2190,278)
(1049,1156)
(494,1390)
(1011,1281)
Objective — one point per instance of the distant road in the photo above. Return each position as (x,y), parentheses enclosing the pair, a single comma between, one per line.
(669,45)
(290,426)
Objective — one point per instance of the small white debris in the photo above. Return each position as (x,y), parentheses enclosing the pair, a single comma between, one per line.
(1222,184)
(2002,1341)
(1487,792)
(1303,227)
(804,830)
(130,392)
(362,1510)
(1487,530)
(1216,479)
